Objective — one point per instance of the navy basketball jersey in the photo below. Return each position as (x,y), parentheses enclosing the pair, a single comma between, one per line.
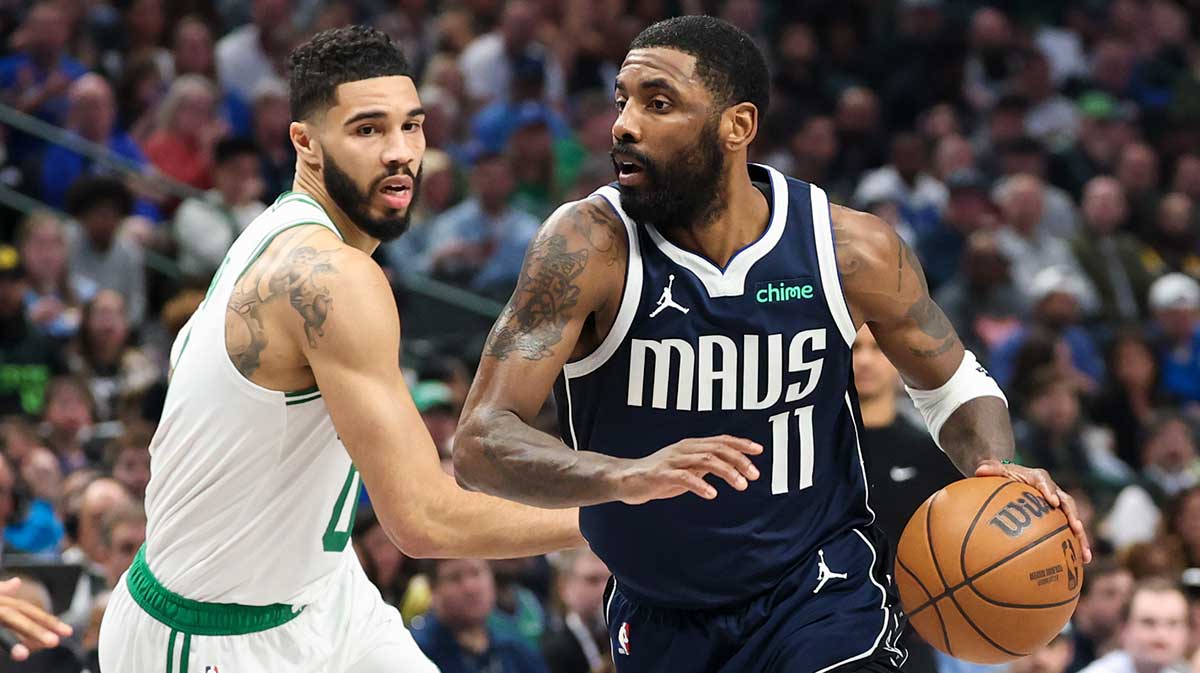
(760,350)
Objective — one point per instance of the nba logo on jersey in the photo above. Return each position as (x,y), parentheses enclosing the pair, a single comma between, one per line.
(623,639)
(211,669)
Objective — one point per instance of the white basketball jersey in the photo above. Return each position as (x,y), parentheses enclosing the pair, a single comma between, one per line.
(252,494)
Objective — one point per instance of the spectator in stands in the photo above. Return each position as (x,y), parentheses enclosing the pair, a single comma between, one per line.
(1057,296)
(455,634)
(861,140)
(1104,125)
(981,300)
(128,458)
(388,568)
(35,78)
(810,150)
(188,130)
(28,358)
(204,228)
(139,92)
(921,196)
(1186,177)
(1051,430)
(967,211)
(543,166)
(1183,523)
(1173,243)
(1175,302)
(990,62)
(92,115)
(1137,172)
(103,354)
(1052,118)
(1029,249)
(518,613)
(481,242)
(1170,463)
(99,254)
(30,523)
(1106,589)
(69,421)
(54,299)
(1053,657)
(8,502)
(269,124)
(100,498)
(1154,631)
(254,52)
(488,62)
(1132,394)
(577,641)
(1111,258)
(192,49)
(123,531)
(1027,155)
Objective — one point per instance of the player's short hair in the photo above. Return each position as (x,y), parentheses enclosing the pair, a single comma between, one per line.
(729,63)
(337,56)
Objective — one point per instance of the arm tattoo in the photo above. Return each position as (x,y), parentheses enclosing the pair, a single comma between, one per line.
(534,319)
(296,278)
(599,229)
(927,315)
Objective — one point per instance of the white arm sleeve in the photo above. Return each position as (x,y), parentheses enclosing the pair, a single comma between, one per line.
(970,381)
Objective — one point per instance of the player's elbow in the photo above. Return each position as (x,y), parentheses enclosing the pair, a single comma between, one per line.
(470,460)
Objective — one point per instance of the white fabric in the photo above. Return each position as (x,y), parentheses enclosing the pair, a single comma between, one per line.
(969,381)
(242,63)
(244,480)
(348,630)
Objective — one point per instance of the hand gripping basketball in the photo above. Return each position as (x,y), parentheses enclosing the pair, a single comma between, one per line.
(1050,491)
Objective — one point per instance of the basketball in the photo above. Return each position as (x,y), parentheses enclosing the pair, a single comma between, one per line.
(987,570)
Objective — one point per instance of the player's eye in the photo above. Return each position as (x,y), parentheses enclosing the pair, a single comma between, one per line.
(660,105)
(367,130)
(620,105)
(409,127)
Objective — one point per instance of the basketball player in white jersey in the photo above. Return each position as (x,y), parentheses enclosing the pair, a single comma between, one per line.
(285,387)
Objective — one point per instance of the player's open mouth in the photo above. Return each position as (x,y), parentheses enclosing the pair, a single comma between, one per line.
(397,191)
(630,171)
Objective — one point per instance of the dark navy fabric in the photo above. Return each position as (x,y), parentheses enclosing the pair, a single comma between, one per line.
(724,354)
(842,627)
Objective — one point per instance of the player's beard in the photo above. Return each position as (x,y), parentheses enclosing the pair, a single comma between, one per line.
(686,190)
(357,204)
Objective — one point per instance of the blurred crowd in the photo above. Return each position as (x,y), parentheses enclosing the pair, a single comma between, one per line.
(1043,159)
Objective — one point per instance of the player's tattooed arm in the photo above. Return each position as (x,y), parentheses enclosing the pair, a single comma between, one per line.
(886,289)
(295,274)
(570,263)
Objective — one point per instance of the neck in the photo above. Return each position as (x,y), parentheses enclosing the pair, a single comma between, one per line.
(878,411)
(473,638)
(309,184)
(740,223)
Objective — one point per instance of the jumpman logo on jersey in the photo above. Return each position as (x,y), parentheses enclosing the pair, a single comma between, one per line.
(824,574)
(665,301)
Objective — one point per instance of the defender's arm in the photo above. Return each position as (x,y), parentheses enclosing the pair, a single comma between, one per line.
(351,337)
(569,272)
(885,288)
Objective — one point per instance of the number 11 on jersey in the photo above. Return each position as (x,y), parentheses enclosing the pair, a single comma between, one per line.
(780,448)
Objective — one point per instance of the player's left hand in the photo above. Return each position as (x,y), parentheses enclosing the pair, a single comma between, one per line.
(1050,491)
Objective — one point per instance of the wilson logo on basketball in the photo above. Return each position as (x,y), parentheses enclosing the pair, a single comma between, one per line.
(1019,514)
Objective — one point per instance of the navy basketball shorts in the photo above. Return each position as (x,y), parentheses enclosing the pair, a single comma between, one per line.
(834,612)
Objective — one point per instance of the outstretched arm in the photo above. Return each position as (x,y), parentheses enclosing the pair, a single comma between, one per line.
(352,345)
(570,272)
(885,288)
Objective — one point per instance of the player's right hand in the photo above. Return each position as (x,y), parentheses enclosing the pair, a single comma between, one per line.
(681,467)
(36,629)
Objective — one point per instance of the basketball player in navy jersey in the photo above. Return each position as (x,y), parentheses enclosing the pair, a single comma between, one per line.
(704,297)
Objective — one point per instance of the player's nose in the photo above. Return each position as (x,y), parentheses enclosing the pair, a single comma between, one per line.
(627,129)
(400,149)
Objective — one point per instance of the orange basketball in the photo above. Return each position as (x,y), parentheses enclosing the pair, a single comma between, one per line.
(987,570)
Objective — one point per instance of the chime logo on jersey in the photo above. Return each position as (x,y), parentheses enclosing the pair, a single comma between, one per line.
(789,289)
(711,373)
(623,639)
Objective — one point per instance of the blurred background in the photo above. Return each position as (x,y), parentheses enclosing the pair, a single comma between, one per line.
(1043,158)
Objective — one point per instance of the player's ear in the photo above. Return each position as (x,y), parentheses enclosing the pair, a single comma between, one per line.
(741,126)
(308,149)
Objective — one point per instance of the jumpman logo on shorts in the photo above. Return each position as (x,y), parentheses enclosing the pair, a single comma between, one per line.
(665,301)
(824,574)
